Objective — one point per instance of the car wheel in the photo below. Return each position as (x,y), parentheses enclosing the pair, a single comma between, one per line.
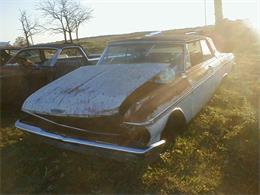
(174,127)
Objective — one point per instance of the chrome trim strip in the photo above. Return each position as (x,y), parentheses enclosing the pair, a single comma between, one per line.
(67,126)
(40,132)
(175,102)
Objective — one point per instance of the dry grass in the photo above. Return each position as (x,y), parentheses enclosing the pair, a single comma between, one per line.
(219,153)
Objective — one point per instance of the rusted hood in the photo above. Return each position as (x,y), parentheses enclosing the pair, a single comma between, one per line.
(91,91)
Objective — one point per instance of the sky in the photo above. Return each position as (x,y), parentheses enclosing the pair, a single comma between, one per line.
(125,16)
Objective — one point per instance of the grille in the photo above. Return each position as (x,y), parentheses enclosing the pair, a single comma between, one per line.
(98,130)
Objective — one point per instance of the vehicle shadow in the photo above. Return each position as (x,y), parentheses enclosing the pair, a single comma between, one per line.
(38,168)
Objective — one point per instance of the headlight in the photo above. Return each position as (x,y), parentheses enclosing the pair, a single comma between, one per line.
(137,136)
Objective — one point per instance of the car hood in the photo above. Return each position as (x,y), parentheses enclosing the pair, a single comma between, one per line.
(92,90)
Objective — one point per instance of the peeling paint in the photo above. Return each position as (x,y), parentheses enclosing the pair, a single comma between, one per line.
(91,91)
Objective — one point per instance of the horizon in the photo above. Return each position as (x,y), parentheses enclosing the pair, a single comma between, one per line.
(106,20)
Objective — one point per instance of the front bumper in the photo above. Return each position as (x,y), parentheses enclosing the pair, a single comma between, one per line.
(91,147)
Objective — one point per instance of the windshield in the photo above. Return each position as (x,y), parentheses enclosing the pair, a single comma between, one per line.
(132,53)
(33,57)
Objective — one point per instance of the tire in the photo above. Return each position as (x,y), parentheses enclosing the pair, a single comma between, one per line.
(174,127)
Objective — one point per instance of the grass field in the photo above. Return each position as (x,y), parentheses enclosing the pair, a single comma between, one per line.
(218,153)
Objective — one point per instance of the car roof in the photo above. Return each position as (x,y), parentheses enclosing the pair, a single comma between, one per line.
(54,45)
(172,38)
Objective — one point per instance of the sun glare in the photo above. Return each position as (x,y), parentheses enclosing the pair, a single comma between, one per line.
(246,10)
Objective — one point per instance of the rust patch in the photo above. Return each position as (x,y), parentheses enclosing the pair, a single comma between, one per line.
(160,97)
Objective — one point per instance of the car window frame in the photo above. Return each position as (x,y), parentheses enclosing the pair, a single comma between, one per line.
(211,52)
(188,63)
(59,51)
(44,55)
(44,59)
(83,55)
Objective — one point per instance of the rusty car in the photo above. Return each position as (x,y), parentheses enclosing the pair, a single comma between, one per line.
(133,101)
(35,66)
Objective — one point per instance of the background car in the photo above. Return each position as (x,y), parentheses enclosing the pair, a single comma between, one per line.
(34,67)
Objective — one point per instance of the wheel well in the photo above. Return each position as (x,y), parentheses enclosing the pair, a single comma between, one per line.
(175,124)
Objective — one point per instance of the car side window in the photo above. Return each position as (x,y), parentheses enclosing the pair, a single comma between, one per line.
(195,51)
(71,57)
(49,53)
(70,53)
(27,58)
(205,50)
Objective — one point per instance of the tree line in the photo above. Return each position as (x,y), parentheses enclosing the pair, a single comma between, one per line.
(60,16)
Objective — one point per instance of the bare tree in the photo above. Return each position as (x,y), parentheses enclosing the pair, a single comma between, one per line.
(52,11)
(82,15)
(29,27)
(68,7)
(64,16)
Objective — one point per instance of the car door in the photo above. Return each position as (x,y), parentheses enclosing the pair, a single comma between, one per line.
(41,71)
(30,60)
(69,60)
(203,65)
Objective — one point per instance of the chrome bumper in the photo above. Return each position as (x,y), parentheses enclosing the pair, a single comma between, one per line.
(85,145)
